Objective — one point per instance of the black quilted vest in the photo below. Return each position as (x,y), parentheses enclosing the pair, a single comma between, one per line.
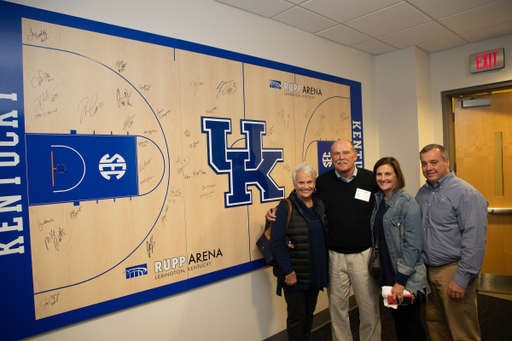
(298,232)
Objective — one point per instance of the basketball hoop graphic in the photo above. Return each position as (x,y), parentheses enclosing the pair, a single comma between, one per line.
(87,167)
(61,169)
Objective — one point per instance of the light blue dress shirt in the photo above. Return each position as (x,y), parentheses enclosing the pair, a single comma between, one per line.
(349,179)
(454,226)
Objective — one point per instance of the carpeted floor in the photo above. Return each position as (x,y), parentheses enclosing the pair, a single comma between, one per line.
(495,316)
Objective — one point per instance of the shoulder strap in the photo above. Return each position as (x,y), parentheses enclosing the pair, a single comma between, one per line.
(289,212)
(268,224)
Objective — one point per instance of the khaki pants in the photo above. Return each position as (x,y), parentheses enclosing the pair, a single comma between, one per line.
(346,270)
(447,318)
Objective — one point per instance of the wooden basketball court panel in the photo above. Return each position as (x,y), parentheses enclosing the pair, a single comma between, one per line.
(270,105)
(85,83)
(326,117)
(292,119)
(83,249)
(209,87)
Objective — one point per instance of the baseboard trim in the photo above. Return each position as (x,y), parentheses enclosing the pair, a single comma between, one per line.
(496,283)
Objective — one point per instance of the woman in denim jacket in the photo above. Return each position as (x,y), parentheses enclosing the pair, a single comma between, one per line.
(396,222)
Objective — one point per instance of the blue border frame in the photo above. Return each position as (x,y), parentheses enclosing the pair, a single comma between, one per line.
(17,294)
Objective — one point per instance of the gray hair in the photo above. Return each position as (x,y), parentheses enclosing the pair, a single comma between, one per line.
(349,142)
(429,147)
(305,168)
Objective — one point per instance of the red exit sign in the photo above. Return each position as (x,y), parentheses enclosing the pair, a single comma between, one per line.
(487,60)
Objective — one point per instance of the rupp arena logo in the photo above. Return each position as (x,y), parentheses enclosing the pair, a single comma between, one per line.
(297,88)
(246,166)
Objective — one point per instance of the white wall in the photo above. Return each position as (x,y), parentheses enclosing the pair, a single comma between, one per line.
(450,71)
(424,100)
(409,83)
(403,88)
(244,307)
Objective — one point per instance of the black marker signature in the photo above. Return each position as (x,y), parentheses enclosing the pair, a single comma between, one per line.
(226,88)
(53,299)
(182,163)
(206,195)
(208,186)
(120,65)
(142,167)
(40,225)
(175,192)
(145,87)
(54,238)
(166,209)
(194,85)
(129,122)
(150,246)
(277,143)
(161,113)
(198,172)
(123,99)
(41,35)
(320,132)
(210,111)
(88,107)
(45,97)
(44,114)
(170,200)
(74,213)
(271,130)
(283,119)
(143,181)
(40,78)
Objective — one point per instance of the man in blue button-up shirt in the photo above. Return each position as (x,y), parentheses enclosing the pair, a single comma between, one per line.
(454,225)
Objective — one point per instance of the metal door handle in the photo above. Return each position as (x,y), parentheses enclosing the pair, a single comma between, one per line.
(499,210)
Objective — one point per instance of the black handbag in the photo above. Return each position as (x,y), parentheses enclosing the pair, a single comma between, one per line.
(263,242)
(374,261)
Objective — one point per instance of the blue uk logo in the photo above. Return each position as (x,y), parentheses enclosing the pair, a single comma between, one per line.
(249,166)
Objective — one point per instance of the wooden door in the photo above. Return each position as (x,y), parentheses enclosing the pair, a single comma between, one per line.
(483,156)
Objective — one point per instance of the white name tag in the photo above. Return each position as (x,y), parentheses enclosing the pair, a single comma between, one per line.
(363,195)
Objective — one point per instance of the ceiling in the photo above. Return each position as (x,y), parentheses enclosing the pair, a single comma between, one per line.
(382,26)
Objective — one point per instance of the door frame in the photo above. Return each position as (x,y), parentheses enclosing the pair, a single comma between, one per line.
(446,101)
(488,282)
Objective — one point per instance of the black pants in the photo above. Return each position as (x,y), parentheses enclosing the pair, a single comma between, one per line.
(301,306)
(408,322)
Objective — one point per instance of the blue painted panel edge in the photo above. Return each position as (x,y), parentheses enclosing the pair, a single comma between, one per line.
(22,309)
